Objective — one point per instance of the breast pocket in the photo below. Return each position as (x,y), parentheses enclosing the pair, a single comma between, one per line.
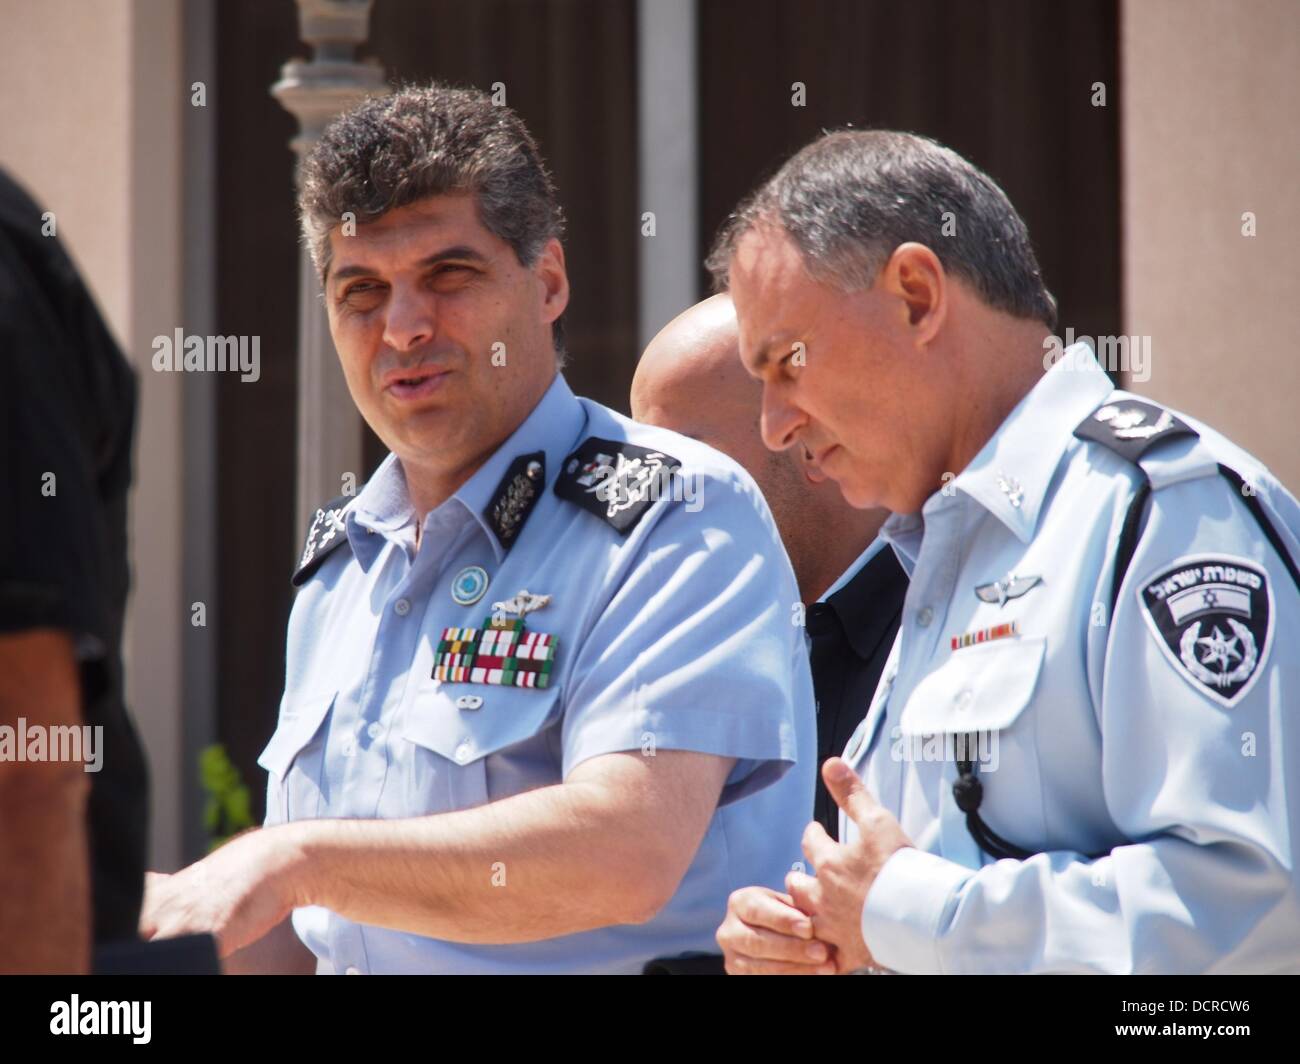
(983,688)
(973,708)
(295,756)
(458,733)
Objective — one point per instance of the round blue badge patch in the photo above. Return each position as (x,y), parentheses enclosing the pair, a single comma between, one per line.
(470,585)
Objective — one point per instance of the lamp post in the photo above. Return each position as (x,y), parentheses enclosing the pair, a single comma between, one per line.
(315,91)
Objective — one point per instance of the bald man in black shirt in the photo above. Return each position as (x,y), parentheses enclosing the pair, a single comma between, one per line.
(690,379)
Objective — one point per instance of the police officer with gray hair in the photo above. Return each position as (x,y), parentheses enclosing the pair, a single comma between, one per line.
(1084,754)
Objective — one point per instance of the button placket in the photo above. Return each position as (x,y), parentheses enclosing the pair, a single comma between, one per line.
(395,643)
(939,557)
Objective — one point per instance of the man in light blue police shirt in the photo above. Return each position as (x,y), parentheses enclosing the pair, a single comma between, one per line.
(545,707)
(1084,755)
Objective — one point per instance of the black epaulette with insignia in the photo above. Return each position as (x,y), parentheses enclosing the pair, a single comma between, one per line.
(1131,427)
(615,480)
(325,534)
(516,496)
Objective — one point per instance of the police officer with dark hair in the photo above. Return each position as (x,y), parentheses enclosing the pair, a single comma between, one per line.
(544,707)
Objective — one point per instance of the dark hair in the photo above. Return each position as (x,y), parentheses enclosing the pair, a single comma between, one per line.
(851,197)
(427,140)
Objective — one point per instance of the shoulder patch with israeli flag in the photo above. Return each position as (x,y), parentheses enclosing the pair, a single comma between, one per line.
(1212,615)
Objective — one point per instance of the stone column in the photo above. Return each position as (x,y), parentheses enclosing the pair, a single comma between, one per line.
(315,91)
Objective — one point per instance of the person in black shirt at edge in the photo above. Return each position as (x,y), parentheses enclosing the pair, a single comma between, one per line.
(690,379)
(72,841)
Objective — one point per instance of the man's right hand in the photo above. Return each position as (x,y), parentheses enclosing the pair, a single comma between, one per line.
(764,934)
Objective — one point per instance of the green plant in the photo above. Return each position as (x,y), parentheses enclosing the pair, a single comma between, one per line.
(227,811)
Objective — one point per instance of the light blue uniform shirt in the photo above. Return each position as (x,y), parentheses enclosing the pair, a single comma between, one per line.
(678,635)
(1177,758)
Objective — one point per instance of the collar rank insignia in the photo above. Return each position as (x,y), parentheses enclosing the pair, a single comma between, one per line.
(327,532)
(616,481)
(516,496)
(1213,617)
(501,651)
(1010,487)
(1131,427)
(1008,588)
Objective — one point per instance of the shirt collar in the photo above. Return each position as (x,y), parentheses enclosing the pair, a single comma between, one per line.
(553,428)
(873,548)
(1011,474)
(869,602)
(384,504)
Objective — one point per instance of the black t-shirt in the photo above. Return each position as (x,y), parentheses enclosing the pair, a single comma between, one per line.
(67,409)
(852,633)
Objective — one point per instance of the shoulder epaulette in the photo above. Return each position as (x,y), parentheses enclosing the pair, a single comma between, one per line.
(615,480)
(1131,427)
(325,535)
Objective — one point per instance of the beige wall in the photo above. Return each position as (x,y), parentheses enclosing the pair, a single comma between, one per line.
(1211,121)
(92,95)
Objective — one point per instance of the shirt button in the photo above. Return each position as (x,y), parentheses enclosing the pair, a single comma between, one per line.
(402,607)
(349,746)
(924,616)
(964,697)
(352,970)
(464,752)
(374,731)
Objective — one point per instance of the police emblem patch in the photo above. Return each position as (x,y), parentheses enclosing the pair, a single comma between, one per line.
(469,585)
(1212,615)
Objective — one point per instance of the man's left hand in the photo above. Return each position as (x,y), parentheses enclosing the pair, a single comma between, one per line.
(835,896)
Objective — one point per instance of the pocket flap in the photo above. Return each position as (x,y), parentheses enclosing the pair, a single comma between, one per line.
(980,688)
(300,719)
(464,722)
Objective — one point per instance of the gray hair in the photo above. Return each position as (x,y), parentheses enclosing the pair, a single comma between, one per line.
(422,141)
(851,197)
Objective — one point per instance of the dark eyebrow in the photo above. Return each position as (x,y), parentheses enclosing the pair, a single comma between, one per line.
(460,251)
